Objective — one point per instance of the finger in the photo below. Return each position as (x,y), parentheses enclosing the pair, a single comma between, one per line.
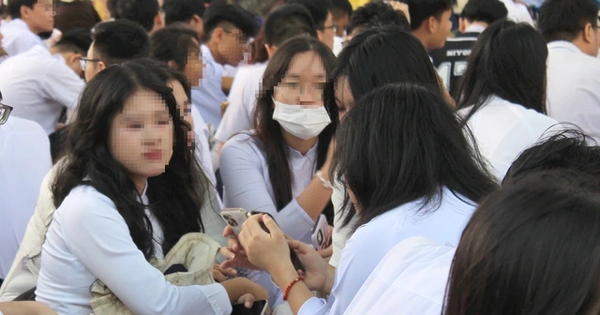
(252,225)
(233,243)
(249,300)
(228,231)
(298,246)
(272,226)
(219,277)
(227,253)
(227,271)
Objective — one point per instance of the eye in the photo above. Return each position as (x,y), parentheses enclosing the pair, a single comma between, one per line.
(163,122)
(135,125)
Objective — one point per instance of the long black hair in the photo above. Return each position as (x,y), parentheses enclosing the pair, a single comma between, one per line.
(401,143)
(268,130)
(175,197)
(509,61)
(531,248)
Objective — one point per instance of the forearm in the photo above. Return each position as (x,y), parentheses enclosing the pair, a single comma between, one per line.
(330,279)
(25,308)
(235,289)
(298,294)
(226,83)
(314,198)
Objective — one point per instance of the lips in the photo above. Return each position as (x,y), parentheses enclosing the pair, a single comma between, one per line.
(153,155)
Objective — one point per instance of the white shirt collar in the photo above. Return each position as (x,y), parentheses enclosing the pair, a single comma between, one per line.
(312,152)
(18,24)
(475,29)
(563,44)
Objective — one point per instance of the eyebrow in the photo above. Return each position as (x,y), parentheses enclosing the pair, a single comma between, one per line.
(297,76)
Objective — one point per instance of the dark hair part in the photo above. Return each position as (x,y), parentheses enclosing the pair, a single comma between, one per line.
(175,196)
(165,73)
(182,10)
(414,127)
(174,44)
(318,9)
(232,14)
(75,40)
(421,10)
(288,21)
(501,64)
(14,7)
(532,247)
(376,14)
(341,7)
(564,19)
(142,12)
(488,11)
(120,41)
(569,149)
(268,130)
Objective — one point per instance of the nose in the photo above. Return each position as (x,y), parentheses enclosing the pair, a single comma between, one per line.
(307,95)
(153,135)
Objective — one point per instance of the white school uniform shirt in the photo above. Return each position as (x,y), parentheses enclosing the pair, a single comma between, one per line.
(246,183)
(18,38)
(202,150)
(574,87)
(239,115)
(411,279)
(38,85)
(340,234)
(88,240)
(517,12)
(373,240)
(24,161)
(207,97)
(503,130)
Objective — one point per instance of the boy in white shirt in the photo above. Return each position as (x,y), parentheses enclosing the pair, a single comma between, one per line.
(29,19)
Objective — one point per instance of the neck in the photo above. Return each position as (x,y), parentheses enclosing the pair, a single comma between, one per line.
(212,46)
(31,28)
(300,145)
(139,182)
(422,36)
(583,46)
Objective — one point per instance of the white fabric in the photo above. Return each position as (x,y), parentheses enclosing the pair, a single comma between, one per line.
(337,45)
(88,240)
(246,183)
(207,97)
(18,38)
(202,150)
(340,235)
(38,86)
(411,279)
(574,87)
(517,12)
(373,240)
(239,115)
(24,160)
(503,130)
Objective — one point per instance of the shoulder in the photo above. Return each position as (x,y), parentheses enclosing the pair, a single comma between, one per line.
(244,141)
(19,127)
(84,204)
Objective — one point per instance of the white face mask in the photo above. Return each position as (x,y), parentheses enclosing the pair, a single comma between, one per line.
(304,123)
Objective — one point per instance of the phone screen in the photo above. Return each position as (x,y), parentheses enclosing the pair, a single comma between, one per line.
(258,308)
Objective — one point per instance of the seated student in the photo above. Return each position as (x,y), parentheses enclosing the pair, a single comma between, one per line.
(228,29)
(283,23)
(320,10)
(274,169)
(451,60)
(128,190)
(571,30)
(502,97)
(144,12)
(113,42)
(387,55)
(24,160)
(432,191)
(341,11)
(189,12)
(41,82)
(179,48)
(430,21)
(29,18)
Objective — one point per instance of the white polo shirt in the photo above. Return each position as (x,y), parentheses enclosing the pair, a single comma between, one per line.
(517,12)
(574,87)
(38,85)
(209,96)
(24,161)
(18,38)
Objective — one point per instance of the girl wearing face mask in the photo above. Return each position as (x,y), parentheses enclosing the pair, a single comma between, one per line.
(282,167)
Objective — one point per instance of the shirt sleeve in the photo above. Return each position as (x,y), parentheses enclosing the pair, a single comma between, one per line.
(237,117)
(314,306)
(245,187)
(62,84)
(99,237)
(202,150)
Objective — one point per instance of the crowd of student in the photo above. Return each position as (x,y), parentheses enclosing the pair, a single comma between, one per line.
(458,172)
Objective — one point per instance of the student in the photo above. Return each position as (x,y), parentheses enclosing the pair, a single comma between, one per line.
(430,21)
(189,12)
(107,226)
(385,55)
(320,10)
(24,160)
(425,264)
(502,97)
(114,42)
(144,12)
(431,191)
(41,82)
(228,29)
(451,61)
(283,23)
(274,169)
(29,18)
(179,48)
(372,15)
(341,11)
(571,30)
(520,230)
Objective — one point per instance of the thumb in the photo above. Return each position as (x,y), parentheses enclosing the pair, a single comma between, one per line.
(297,246)
(270,224)
(249,301)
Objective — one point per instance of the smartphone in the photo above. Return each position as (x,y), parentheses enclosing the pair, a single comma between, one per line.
(258,308)
(321,233)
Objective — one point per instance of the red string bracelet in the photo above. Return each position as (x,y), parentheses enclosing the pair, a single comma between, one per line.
(289,287)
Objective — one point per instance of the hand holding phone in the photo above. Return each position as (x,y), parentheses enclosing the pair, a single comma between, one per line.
(258,308)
